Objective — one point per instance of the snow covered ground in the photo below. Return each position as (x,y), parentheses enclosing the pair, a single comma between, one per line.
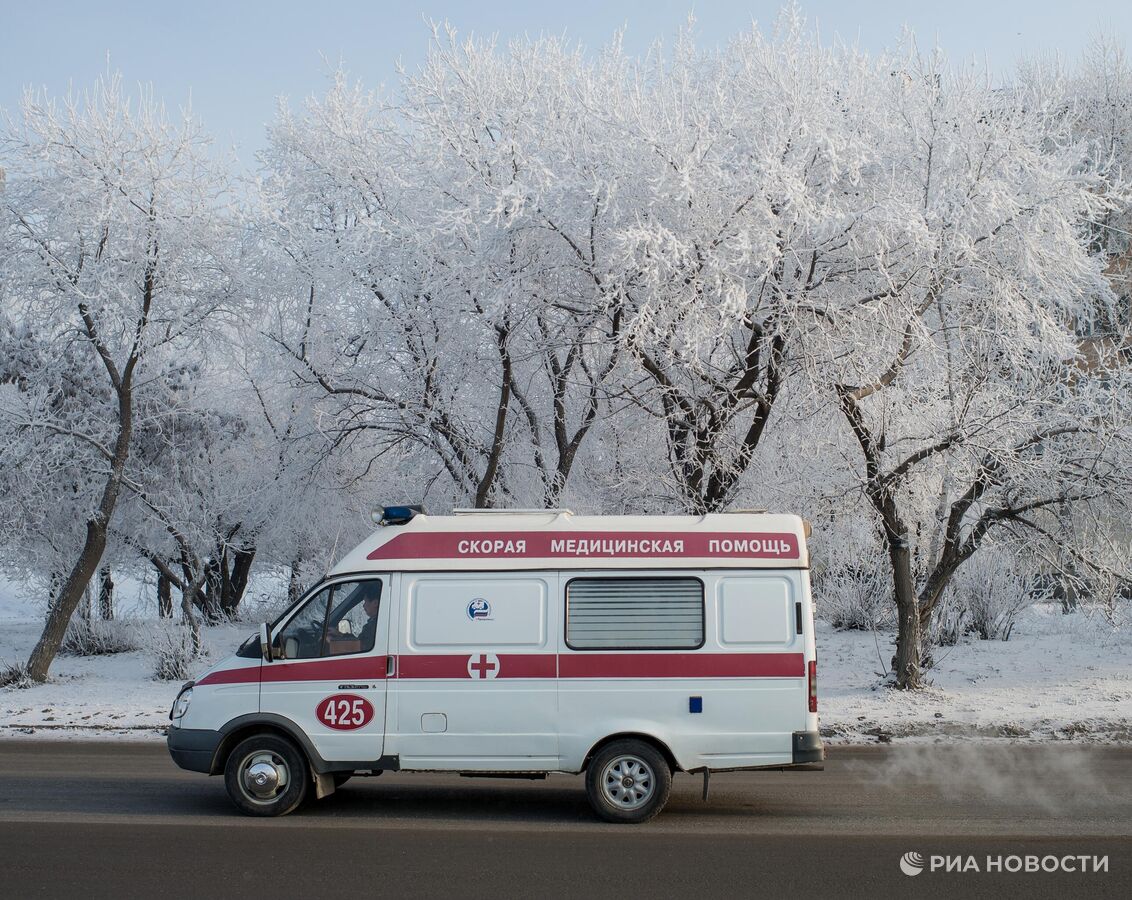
(1058,678)
(99,696)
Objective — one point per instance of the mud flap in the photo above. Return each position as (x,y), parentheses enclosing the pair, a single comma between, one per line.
(323,785)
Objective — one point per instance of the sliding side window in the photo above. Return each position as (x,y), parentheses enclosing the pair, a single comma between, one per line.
(634,613)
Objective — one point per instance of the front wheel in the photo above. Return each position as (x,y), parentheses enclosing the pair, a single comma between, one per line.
(628,782)
(266,775)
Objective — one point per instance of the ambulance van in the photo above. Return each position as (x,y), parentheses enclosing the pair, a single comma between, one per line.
(521,643)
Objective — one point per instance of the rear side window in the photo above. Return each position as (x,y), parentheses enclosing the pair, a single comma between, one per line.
(756,611)
(634,613)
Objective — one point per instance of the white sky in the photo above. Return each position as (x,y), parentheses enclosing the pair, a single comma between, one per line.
(235,57)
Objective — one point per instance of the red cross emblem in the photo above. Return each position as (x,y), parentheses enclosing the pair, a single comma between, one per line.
(486,666)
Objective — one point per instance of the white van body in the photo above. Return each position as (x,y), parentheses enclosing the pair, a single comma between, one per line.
(522,643)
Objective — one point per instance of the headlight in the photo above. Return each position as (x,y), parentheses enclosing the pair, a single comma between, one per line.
(181,706)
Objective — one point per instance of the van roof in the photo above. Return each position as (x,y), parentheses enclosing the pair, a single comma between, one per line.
(503,540)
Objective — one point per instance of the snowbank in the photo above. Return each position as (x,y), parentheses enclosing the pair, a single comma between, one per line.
(101,696)
(1058,677)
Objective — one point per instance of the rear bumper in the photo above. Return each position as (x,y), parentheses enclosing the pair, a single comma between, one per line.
(193,748)
(807,747)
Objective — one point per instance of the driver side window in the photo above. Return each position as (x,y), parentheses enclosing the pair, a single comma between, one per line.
(338,620)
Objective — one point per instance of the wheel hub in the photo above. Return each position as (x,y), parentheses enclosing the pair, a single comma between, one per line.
(628,782)
(264,776)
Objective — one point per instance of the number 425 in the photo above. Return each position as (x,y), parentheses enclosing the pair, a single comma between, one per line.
(344,712)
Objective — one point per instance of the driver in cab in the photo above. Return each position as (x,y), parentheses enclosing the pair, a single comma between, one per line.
(346,637)
(370,605)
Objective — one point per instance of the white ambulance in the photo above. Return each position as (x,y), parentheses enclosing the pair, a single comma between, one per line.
(519,643)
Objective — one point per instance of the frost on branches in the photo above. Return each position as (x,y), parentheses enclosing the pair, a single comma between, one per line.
(883,292)
(110,271)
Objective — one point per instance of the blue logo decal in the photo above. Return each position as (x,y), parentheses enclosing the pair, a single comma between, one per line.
(479,609)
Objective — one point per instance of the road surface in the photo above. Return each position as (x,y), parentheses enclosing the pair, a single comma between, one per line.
(119,820)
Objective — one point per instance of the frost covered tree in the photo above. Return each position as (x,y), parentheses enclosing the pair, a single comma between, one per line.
(1094,98)
(962,380)
(353,290)
(240,474)
(581,234)
(657,211)
(112,219)
(877,290)
(731,215)
(1099,110)
(435,316)
(42,475)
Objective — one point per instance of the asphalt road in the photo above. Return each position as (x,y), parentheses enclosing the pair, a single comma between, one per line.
(92,820)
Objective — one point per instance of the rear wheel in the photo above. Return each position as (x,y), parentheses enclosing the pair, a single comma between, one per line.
(628,782)
(266,775)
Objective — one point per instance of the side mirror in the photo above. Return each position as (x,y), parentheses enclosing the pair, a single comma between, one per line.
(265,641)
(344,626)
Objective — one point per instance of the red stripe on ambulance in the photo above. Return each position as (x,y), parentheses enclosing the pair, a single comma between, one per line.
(363,667)
(448,665)
(527,665)
(246,675)
(590,545)
(681,665)
(607,665)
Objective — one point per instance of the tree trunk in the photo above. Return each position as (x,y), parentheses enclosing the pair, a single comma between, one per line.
(54,586)
(207,598)
(105,594)
(94,545)
(1068,591)
(63,608)
(906,664)
(189,597)
(294,583)
(164,596)
(483,499)
(235,582)
(926,612)
(46,648)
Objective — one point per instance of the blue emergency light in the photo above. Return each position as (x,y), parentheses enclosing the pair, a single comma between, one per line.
(399,515)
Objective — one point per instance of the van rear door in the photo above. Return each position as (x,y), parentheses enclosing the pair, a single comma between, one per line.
(765,613)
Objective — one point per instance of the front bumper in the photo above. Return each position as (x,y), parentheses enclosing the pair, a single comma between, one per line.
(193,748)
(807,747)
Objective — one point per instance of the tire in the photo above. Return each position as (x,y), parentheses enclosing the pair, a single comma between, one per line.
(282,767)
(628,782)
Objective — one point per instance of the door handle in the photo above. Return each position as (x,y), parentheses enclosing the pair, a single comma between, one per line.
(390,666)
